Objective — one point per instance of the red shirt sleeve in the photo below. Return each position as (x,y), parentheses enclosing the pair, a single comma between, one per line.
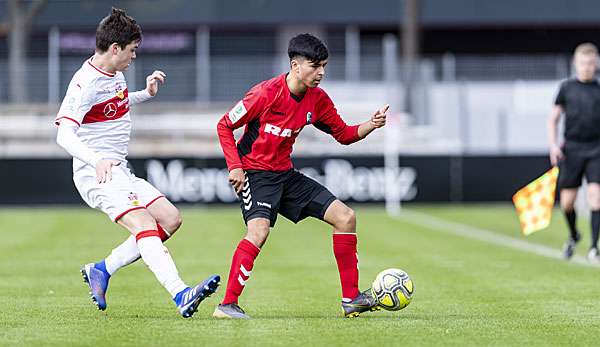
(330,122)
(246,110)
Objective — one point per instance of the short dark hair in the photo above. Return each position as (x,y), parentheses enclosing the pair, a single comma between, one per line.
(309,47)
(117,27)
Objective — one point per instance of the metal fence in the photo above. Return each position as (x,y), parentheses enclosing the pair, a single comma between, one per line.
(460,103)
(213,66)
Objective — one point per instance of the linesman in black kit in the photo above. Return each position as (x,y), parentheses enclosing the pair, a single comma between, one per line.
(579,156)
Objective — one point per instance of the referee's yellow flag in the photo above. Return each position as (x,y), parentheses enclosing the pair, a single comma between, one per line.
(535,201)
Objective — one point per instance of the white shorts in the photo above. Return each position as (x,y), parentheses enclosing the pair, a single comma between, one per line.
(124,193)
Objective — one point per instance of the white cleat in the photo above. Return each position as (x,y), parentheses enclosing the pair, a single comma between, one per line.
(593,257)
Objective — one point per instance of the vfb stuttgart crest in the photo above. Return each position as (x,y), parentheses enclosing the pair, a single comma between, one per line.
(110,110)
(134,199)
(120,92)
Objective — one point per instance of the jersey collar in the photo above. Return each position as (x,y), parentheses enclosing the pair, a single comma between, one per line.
(296,98)
(100,70)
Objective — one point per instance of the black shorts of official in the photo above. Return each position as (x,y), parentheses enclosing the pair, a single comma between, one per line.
(289,193)
(581,159)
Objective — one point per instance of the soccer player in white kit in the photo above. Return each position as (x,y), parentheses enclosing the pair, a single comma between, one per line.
(94,126)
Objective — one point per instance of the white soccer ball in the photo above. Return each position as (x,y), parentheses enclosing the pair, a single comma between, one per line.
(393,289)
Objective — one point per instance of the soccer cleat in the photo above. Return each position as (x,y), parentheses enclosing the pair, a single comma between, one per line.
(98,283)
(232,311)
(188,299)
(593,256)
(362,303)
(569,247)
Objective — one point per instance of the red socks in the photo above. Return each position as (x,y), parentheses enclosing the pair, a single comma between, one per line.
(241,268)
(162,233)
(344,249)
(146,233)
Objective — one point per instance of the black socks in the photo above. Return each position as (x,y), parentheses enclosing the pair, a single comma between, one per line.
(595,228)
(571,217)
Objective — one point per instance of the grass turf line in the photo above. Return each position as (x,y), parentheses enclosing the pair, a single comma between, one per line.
(467,292)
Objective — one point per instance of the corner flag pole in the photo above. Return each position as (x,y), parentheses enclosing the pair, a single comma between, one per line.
(392,128)
(392,164)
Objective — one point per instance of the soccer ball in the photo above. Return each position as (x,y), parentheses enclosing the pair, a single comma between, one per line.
(393,289)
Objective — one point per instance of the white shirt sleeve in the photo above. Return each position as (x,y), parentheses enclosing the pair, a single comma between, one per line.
(67,138)
(139,96)
(77,102)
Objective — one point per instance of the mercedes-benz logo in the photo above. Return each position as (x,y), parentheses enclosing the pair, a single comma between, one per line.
(110,110)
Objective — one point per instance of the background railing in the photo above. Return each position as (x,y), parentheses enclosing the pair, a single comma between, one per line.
(460,103)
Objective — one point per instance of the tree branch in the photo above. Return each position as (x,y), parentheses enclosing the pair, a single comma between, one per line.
(34,10)
(4,29)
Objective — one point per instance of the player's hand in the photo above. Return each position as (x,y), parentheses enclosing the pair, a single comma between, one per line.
(237,178)
(378,119)
(153,80)
(104,169)
(556,155)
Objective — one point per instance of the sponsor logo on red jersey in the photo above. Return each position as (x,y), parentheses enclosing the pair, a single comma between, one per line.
(277,131)
(237,112)
(111,109)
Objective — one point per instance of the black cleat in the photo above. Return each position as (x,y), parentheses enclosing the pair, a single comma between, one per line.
(569,247)
(364,302)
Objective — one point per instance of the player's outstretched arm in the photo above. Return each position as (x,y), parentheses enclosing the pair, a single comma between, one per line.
(152,82)
(332,123)
(377,121)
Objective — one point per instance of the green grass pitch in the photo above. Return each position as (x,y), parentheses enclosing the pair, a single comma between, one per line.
(467,291)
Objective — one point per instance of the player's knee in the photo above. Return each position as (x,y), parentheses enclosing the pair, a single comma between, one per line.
(594,196)
(173,222)
(567,204)
(145,224)
(177,222)
(257,237)
(594,202)
(139,220)
(258,231)
(347,220)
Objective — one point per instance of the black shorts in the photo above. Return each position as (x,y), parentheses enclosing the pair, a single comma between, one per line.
(581,159)
(289,193)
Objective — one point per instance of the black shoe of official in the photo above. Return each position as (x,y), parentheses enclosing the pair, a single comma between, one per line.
(569,247)
(364,302)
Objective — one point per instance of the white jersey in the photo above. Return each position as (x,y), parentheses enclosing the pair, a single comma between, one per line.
(98,102)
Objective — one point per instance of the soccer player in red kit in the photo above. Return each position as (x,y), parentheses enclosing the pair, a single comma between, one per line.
(260,169)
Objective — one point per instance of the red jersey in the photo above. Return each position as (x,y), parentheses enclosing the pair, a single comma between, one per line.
(273,118)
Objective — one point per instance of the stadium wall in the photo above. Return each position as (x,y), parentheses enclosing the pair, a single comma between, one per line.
(357,179)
